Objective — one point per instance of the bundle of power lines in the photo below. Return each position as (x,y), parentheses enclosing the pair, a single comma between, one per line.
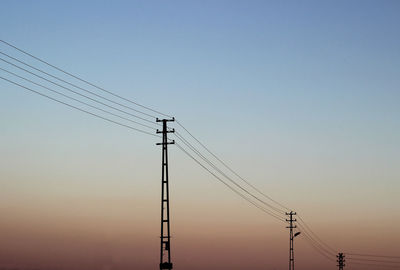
(21,69)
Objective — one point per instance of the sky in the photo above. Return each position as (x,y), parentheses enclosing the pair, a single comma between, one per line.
(299,97)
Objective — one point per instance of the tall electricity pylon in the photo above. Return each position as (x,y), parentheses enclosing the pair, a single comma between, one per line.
(165,250)
(340,261)
(291,227)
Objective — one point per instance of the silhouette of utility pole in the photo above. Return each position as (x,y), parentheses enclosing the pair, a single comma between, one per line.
(165,251)
(341,260)
(291,227)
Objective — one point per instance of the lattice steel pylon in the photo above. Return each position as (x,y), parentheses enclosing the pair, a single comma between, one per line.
(291,248)
(165,249)
(340,261)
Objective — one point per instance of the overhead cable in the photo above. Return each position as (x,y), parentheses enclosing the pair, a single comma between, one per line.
(230,187)
(79,109)
(230,169)
(224,175)
(77,100)
(82,80)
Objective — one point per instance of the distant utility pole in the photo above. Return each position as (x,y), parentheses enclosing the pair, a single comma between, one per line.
(341,260)
(291,227)
(165,251)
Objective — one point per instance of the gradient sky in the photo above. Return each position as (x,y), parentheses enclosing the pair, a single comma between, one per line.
(300,97)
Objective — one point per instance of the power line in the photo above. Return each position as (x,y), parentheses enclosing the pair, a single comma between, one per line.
(223,174)
(231,188)
(315,235)
(317,246)
(226,184)
(230,169)
(317,249)
(71,84)
(371,255)
(79,109)
(369,260)
(370,264)
(322,248)
(82,80)
(77,93)
(316,243)
(82,102)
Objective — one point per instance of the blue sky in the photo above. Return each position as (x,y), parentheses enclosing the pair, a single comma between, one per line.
(288,54)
